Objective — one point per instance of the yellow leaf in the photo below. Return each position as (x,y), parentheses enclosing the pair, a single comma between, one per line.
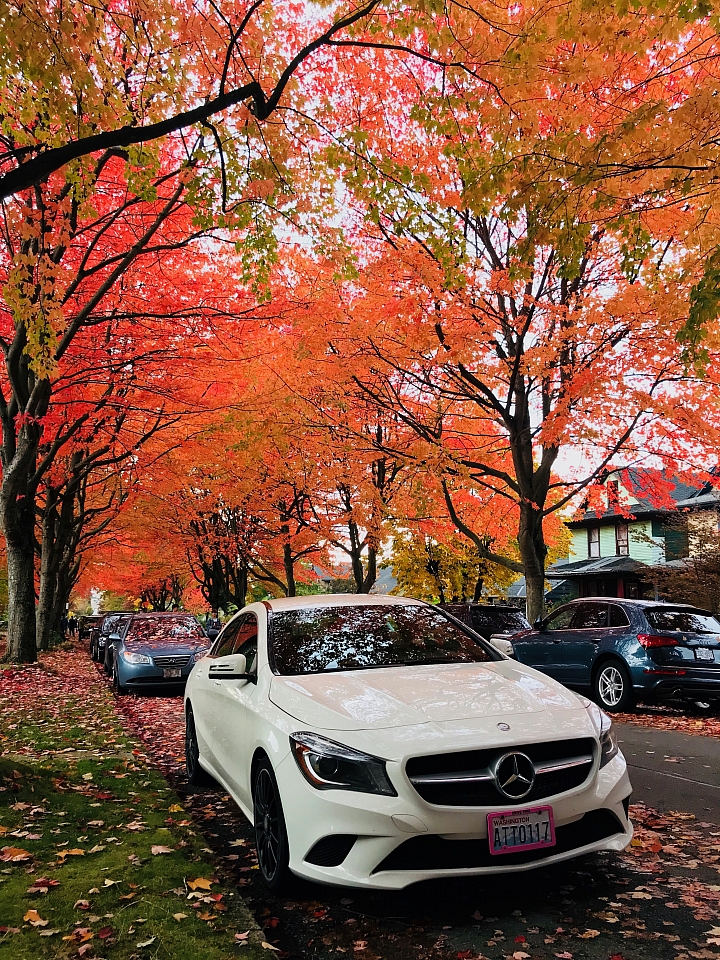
(269,946)
(179,916)
(175,808)
(200,883)
(33,917)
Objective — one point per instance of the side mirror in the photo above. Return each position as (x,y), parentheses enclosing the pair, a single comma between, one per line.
(502,644)
(114,636)
(539,624)
(233,667)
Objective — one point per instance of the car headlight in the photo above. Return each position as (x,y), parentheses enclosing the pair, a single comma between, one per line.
(200,654)
(135,657)
(331,766)
(606,733)
(608,741)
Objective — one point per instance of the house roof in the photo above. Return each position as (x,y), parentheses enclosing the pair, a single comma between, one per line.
(683,496)
(594,567)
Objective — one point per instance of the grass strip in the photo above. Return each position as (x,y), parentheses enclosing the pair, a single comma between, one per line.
(98,857)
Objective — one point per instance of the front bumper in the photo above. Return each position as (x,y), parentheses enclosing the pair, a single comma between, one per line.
(391,842)
(143,675)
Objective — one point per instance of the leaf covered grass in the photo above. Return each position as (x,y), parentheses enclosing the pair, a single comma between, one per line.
(98,857)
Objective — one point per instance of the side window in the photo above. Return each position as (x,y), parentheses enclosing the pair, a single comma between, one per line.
(247,641)
(561,619)
(226,640)
(590,616)
(618,617)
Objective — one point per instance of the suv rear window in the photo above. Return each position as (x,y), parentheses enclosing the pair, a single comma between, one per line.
(683,621)
(487,622)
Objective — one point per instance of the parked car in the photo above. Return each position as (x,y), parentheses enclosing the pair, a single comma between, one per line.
(111,623)
(493,621)
(157,649)
(88,623)
(620,649)
(373,741)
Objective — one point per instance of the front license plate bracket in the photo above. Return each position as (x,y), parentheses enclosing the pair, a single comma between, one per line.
(172,673)
(516,830)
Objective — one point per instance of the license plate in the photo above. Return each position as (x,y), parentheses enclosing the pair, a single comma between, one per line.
(521,830)
(704,653)
(172,672)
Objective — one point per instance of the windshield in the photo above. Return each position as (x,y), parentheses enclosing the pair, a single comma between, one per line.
(487,622)
(324,639)
(111,624)
(165,629)
(684,621)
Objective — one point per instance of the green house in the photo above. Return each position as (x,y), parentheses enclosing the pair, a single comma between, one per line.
(641,520)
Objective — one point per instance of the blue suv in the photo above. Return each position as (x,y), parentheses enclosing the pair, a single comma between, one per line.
(619,649)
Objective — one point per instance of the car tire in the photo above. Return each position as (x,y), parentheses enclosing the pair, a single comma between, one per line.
(92,652)
(107,664)
(271,841)
(613,688)
(119,688)
(195,773)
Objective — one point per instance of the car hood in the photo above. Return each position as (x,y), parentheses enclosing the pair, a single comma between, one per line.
(408,696)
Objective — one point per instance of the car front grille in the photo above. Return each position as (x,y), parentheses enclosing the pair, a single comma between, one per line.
(171,661)
(467,779)
(438,853)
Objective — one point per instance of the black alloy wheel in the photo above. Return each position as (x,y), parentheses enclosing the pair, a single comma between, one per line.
(195,773)
(271,843)
(613,687)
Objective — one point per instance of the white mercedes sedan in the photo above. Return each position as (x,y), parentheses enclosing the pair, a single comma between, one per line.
(375,741)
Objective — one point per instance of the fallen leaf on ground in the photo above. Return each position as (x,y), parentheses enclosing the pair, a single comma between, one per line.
(268,946)
(179,916)
(200,883)
(14,855)
(589,934)
(34,919)
(175,808)
(159,849)
(105,933)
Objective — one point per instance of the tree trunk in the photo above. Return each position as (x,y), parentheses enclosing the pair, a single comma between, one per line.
(371,576)
(289,570)
(18,522)
(45,606)
(533,552)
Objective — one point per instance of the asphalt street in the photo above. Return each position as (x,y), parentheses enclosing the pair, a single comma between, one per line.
(673,771)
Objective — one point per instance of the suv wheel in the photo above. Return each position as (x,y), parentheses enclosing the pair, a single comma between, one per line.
(613,687)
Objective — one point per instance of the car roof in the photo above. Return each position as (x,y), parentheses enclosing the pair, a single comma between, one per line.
(341,600)
(635,603)
(152,614)
(475,604)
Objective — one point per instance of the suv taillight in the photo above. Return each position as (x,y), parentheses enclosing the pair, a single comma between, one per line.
(649,640)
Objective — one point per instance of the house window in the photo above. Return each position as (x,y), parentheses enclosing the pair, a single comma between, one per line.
(593,541)
(613,496)
(622,544)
